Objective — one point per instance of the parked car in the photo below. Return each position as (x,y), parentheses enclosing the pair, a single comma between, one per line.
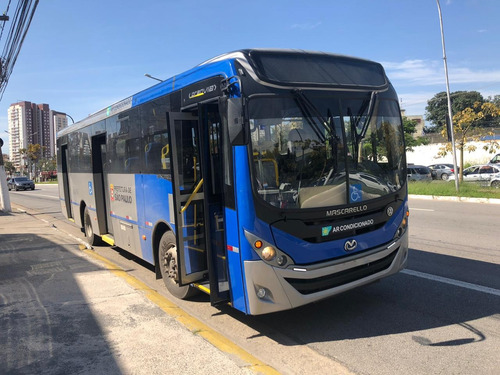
(485,174)
(442,171)
(419,173)
(21,183)
(495,159)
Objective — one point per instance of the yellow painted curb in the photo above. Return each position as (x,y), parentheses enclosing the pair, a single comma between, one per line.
(191,323)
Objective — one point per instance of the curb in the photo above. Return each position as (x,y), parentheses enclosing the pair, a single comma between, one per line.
(191,323)
(455,199)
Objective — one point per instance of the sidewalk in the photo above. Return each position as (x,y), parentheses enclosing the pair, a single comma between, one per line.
(63,312)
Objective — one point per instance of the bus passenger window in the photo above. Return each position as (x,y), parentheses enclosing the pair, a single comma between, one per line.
(156,154)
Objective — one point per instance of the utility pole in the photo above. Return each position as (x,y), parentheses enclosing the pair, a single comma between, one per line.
(451,132)
(4,190)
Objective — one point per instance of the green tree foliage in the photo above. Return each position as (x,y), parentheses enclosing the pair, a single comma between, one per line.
(9,167)
(409,128)
(437,107)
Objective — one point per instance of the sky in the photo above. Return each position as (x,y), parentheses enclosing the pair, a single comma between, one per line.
(82,56)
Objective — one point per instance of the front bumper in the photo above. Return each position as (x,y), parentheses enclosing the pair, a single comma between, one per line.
(287,288)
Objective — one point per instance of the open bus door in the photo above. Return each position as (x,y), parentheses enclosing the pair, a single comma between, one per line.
(197,198)
(65,180)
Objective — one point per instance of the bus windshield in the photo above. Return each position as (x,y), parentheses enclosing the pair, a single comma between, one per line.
(320,149)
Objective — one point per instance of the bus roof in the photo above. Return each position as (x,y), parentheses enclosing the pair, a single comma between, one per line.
(265,66)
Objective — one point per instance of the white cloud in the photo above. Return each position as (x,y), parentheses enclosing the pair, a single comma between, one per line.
(431,72)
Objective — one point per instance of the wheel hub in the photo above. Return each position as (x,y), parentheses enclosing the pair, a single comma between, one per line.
(170,263)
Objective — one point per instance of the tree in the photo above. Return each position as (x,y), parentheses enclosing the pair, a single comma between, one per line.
(437,107)
(9,167)
(409,128)
(466,129)
(33,154)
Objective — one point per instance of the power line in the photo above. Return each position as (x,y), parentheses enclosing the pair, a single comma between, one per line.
(19,27)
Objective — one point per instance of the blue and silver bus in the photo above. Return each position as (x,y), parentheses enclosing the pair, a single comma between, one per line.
(267,178)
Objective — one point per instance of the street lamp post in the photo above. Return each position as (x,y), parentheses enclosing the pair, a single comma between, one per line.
(450,130)
(150,76)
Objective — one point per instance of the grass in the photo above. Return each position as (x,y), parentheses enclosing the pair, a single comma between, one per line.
(447,188)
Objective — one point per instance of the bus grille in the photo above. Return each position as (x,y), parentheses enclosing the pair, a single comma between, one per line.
(308,286)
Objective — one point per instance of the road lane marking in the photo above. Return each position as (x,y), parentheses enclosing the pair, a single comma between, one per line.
(445,280)
(35,195)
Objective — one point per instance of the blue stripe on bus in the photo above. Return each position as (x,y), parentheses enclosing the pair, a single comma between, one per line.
(124,219)
(224,68)
(233,261)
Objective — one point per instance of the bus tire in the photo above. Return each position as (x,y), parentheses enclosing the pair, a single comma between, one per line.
(167,258)
(92,238)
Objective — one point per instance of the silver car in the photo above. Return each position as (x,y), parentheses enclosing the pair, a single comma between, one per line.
(495,159)
(419,173)
(442,171)
(485,174)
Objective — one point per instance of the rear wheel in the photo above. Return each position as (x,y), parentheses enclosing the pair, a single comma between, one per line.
(167,258)
(445,177)
(495,184)
(92,238)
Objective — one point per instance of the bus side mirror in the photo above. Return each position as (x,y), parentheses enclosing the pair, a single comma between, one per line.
(231,110)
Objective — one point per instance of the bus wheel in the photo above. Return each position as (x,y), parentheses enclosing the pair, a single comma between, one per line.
(168,267)
(92,238)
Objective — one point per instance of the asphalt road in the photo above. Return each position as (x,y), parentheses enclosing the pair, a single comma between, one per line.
(440,316)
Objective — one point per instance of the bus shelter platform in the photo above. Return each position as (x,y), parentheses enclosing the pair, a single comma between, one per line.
(63,311)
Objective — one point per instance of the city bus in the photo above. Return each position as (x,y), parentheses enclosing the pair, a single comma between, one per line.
(268,179)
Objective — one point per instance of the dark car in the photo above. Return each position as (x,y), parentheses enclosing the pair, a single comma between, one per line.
(442,171)
(20,183)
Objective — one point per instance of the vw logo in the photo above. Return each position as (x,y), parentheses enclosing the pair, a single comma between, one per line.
(350,245)
(390,211)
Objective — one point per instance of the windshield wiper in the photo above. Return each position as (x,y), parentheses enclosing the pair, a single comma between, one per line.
(304,107)
(304,101)
(371,108)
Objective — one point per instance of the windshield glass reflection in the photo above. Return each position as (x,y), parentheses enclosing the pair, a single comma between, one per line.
(322,150)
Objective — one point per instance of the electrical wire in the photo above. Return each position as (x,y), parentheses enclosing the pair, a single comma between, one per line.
(19,27)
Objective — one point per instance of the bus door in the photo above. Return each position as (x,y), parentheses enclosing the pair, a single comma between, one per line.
(212,158)
(64,167)
(98,157)
(197,206)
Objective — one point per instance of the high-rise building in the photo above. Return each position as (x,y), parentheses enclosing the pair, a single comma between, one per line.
(58,121)
(31,123)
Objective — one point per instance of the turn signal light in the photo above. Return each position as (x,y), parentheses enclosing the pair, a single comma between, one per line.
(258,244)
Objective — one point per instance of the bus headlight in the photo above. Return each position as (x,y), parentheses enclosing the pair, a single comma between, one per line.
(268,252)
(402,226)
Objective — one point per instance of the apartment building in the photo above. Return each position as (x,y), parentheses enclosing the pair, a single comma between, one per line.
(31,123)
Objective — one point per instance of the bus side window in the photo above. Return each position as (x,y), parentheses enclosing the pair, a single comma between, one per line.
(156,154)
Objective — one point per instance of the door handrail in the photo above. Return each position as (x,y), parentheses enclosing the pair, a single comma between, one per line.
(198,187)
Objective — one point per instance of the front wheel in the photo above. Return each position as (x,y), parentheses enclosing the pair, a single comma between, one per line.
(92,238)
(495,184)
(167,258)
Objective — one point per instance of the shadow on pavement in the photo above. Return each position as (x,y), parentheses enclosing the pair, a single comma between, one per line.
(46,325)
(399,304)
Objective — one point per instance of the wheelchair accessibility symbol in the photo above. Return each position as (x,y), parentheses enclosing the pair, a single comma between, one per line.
(355,193)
